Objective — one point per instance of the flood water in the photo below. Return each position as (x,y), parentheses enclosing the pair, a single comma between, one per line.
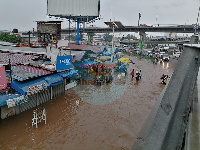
(108,117)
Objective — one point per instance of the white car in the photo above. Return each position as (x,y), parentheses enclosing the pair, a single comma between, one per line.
(165,57)
(176,54)
(6,44)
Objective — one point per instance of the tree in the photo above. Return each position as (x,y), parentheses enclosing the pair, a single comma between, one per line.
(107,37)
(4,37)
(129,36)
(10,38)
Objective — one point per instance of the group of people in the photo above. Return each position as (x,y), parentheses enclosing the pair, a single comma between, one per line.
(138,74)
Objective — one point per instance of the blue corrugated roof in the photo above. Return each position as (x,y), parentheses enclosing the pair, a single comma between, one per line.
(22,87)
(4,97)
(53,80)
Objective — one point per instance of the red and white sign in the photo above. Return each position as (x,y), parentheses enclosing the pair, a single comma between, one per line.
(3,81)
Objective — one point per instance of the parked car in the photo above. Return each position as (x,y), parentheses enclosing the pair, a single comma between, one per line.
(149,53)
(177,54)
(155,55)
(160,55)
(165,57)
(137,51)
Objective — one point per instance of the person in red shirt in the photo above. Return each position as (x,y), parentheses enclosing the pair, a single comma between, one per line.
(132,73)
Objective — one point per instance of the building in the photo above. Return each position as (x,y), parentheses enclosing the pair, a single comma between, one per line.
(49,31)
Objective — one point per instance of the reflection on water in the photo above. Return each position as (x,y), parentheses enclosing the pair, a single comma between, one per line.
(165,65)
(105,93)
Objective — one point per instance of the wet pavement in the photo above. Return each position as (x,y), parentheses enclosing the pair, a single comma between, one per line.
(103,120)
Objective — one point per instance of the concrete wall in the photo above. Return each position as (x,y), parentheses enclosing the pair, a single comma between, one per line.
(7,112)
(169,125)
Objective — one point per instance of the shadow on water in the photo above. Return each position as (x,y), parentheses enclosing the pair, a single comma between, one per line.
(105,93)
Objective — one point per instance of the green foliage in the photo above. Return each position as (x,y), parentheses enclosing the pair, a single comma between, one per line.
(107,37)
(149,46)
(72,37)
(90,37)
(10,38)
(129,36)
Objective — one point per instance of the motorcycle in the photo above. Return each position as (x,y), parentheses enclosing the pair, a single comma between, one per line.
(137,76)
(164,79)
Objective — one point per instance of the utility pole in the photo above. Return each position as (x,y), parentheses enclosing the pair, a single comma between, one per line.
(139,19)
(69,29)
(29,38)
(9,66)
(33,31)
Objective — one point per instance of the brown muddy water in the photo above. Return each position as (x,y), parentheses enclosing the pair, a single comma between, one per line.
(113,124)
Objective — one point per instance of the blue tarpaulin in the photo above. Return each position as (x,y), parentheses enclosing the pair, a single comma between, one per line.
(22,87)
(122,68)
(118,50)
(69,73)
(53,80)
(105,54)
(4,97)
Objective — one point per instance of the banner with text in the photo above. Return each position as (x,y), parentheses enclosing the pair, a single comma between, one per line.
(3,81)
(64,62)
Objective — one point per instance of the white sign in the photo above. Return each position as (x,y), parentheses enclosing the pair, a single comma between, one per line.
(70,85)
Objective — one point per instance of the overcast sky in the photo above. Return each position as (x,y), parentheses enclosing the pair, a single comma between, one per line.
(22,14)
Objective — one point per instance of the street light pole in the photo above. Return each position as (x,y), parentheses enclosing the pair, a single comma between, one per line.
(69,30)
(113,37)
(29,38)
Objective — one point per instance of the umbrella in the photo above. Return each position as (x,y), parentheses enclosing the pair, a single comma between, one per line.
(97,60)
(125,60)
(103,58)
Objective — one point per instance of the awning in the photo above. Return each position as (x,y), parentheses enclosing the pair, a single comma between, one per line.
(53,80)
(34,85)
(68,74)
(4,97)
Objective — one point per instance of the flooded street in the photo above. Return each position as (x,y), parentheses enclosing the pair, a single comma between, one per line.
(108,117)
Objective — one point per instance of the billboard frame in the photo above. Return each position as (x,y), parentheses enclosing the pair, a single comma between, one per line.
(75,17)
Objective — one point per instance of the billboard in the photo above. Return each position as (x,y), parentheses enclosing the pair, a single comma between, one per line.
(3,81)
(73,8)
(64,62)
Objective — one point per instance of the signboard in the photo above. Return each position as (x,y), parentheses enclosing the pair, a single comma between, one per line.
(3,81)
(64,62)
(73,7)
